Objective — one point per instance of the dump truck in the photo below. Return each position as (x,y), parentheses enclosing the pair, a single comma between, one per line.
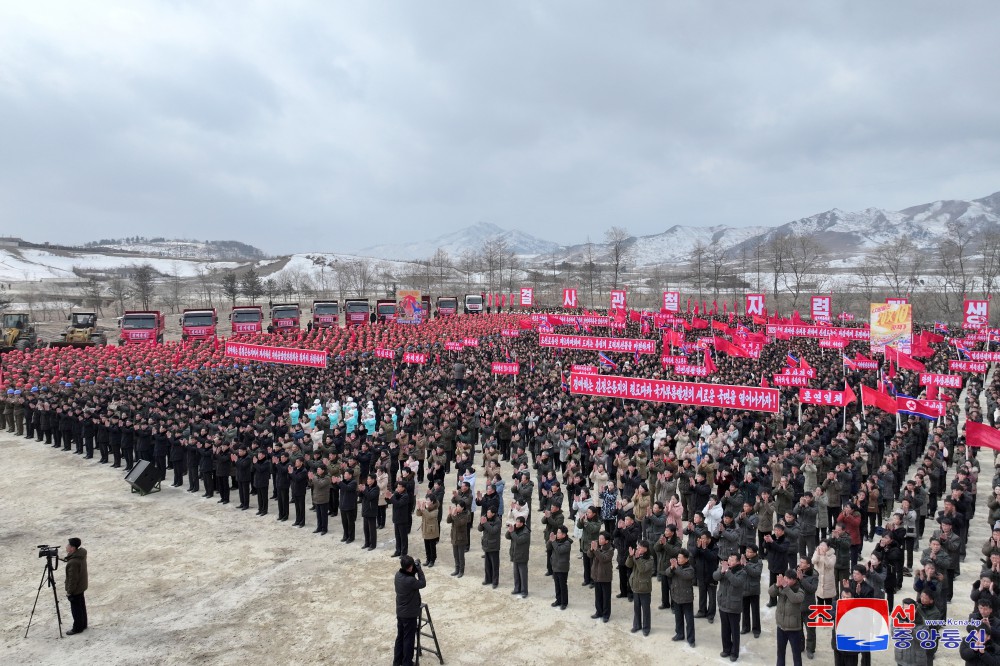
(285,317)
(198,324)
(247,319)
(17,332)
(385,310)
(447,306)
(326,314)
(82,331)
(473,304)
(357,311)
(141,326)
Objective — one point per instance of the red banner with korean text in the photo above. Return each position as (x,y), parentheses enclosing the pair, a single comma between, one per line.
(385,353)
(935,379)
(284,355)
(975,314)
(591,343)
(820,308)
(821,397)
(415,357)
(967,366)
(806,331)
(752,398)
(506,368)
(790,380)
(584,369)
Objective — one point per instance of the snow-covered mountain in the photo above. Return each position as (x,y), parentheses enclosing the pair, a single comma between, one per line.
(181,248)
(470,238)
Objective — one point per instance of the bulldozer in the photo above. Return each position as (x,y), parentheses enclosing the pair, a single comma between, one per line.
(82,332)
(17,332)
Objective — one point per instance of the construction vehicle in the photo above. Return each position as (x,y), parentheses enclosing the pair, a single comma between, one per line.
(198,324)
(385,310)
(326,314)
(82,331)
(473,304)
(17,332)
(357,311)
(447,306)
(141,326)
(247,319)
(285,317)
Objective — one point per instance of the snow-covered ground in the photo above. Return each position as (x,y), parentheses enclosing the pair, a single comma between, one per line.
(30,265)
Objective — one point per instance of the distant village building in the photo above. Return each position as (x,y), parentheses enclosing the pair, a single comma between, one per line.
(10,241)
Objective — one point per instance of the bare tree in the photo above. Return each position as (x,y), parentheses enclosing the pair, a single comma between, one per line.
(591,269)
(775,257)
(93,296)
(954,267)
(803,260)
(143,282)
(441,261)
(175,289)
(120,291)
(715,255)
(270,289)
(698,266)
(468,264)
(899,263)
(619,244)
(989,262)
(868,274)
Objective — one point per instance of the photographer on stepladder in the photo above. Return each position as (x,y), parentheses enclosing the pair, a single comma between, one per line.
(409,581)
(76,584)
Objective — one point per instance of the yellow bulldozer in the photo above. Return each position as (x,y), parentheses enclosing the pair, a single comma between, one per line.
(82,332)
(17,332)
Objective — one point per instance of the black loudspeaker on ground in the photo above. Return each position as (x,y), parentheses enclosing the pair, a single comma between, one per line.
(144,478)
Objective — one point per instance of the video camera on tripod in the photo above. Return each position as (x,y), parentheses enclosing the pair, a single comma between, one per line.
(51,555)
(51,552)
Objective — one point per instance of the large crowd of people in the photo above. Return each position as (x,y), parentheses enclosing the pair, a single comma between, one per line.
(694,517)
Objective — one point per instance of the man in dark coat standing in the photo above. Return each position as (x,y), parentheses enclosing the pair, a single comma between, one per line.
(408,582)
(298,481)
(401,518)
(369,512)
(76,584)
(348,488)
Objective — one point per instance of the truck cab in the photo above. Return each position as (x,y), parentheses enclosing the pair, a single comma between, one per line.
(357,311)
(326,314)
(141,326)
(385,310)
(473,304)
(247,319)
(285,317)
(198,324)
(447,306)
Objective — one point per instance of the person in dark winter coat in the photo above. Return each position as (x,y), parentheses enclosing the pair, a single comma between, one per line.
(602,555)
(408,582)
(680,573)
(491,525)
(261,481)
(731,577)
(402,519)
(520,541)
(369,511)
(298,482)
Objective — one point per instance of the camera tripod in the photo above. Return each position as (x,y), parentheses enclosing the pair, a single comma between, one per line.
(49,576)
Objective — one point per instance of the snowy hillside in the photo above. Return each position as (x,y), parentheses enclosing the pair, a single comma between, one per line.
(181,249)
(454,243)
(32,265)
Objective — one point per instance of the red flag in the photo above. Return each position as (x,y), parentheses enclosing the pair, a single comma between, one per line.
(874,398)
(698,323)
(696,307)
(891,374)
(715,307)
(904,361)
(931,338)
(978,434)
(763,382)
(849,395)
(710,364)
(932,392)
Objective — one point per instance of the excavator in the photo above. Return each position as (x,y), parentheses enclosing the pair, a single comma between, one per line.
(17,332)
(82,331)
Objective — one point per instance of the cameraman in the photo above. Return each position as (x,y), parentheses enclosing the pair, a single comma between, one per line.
(409,581)
(76,584)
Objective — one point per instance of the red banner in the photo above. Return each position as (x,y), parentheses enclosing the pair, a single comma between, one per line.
(754,305)
(284,355)
(618,299)
(833,343)
(584,369)
(571,320)
(674,360)
(789,380)
(414,357)
(935,379)
(809,373)
(672,301)
(985,356)
(569,298)
(691,370)
(804,331)
(506,368)
(590,343)
(510,332)
(967,366)
(752,398)
(470,342)
(975,314)
(821,397)
(385,353)
(454,346)
(820,308)
(527,297)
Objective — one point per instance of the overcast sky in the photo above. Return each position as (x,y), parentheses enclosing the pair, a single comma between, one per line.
(299,126)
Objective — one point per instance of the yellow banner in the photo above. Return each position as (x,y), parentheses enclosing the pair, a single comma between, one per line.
(891,326)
